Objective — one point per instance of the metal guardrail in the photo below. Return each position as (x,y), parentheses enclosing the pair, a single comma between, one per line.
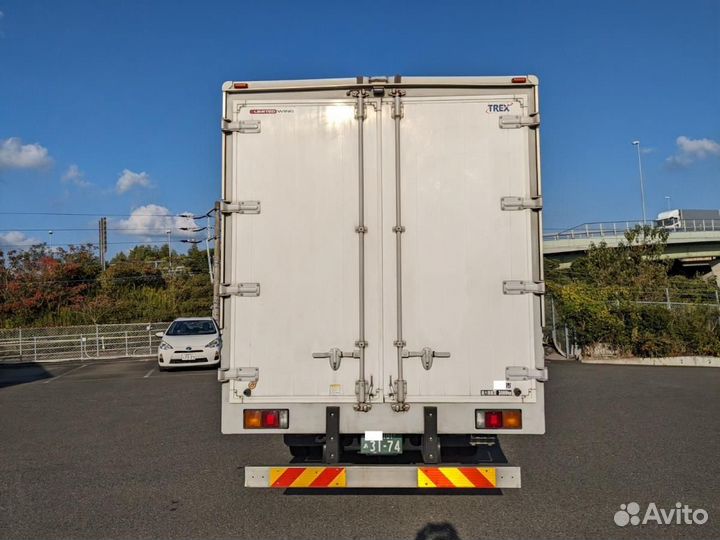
(614,229)
(80,342)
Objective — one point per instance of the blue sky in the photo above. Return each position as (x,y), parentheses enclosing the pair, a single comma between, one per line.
(108,107)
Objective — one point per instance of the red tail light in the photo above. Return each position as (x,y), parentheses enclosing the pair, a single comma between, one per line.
(493,419)
(519,80)
(270,419)
(502,419)
(240,85)
(266,418)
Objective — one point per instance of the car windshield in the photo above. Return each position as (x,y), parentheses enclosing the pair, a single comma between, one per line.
(191,328)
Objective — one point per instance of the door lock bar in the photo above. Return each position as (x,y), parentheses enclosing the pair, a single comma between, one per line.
(399,387)
(363,389)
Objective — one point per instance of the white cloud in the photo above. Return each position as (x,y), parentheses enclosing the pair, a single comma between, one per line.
(129,179)
(153,220)
(75,176)
(691,150)
(16,155)
(15,239)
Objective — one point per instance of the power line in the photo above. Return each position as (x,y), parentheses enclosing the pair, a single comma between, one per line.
(183,214)
(74,229)
(93,244)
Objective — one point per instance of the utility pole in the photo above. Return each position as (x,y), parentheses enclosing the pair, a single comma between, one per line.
(207,250)
(167,232)
(102,234)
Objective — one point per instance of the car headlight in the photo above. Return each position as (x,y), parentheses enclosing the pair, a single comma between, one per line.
(214,343)
(165,346)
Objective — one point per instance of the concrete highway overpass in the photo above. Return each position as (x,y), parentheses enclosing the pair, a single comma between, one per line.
(695,244)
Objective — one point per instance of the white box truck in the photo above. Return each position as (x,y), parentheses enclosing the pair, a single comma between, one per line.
(380,287)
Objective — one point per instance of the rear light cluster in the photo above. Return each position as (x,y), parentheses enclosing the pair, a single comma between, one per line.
(266,419)
(505,419)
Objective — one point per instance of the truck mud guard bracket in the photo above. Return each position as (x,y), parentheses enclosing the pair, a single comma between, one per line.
(383,476)
(331,450)
(430,441)
(523,373)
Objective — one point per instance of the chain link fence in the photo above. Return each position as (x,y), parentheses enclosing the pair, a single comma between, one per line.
(100,341)
(560,337)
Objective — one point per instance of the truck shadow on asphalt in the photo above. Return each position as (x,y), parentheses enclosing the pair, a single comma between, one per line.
(11,375)
(438,531)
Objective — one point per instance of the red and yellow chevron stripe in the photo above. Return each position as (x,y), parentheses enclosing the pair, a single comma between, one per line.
(456,477)
(307,477)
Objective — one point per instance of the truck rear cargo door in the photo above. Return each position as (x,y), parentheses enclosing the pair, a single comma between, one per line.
(299,159)
(459,246)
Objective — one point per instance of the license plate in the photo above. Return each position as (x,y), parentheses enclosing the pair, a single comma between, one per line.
(389,445)
(187,357)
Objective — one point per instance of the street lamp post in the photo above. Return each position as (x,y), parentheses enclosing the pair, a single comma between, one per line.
(50,233)
(642,181)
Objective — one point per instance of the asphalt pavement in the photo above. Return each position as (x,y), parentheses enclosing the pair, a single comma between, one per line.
(120,450)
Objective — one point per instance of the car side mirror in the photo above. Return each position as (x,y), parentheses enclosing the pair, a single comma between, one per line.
(159,334)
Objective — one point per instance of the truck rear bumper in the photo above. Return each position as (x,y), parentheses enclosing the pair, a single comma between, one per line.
(383,476)
(309,418)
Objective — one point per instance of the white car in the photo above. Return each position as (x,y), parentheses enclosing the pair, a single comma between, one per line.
(189,341)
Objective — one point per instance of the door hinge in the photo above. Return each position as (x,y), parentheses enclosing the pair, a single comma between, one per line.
(523,373)
(239,374)
(523,287)
(241,289)
(514,121)
(240,207)
(521,203)
(241,126)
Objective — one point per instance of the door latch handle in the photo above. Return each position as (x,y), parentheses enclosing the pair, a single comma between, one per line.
(426,356)
(335,356)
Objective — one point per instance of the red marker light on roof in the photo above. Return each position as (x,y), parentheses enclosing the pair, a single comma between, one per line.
(518,80)
(240,85)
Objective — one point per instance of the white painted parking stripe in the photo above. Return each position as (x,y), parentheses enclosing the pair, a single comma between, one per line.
(63,374)
(149,373)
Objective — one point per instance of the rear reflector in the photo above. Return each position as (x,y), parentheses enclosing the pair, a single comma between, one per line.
(504,419)
(245,85)
(520,80)
(266,419)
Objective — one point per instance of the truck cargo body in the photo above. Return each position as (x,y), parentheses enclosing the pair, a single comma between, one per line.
(689,220)
(381,256)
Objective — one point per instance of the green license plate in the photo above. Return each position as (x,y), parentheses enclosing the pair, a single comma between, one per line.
(389,446)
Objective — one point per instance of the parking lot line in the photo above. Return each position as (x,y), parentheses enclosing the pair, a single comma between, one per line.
(63,374)
(149,373)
